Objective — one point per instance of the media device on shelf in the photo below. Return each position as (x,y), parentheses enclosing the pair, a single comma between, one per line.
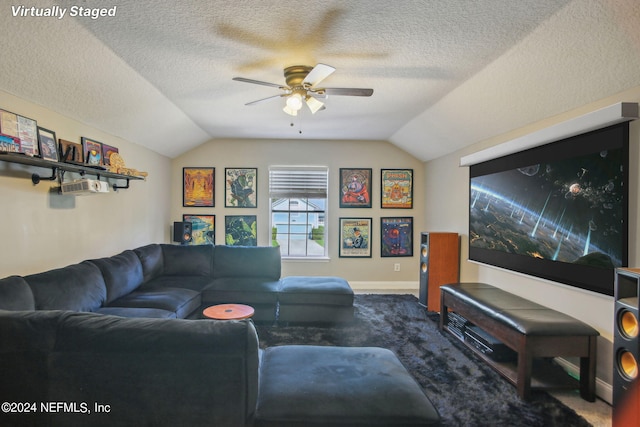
(558,211)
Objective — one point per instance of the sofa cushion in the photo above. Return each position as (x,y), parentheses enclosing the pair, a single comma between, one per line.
(196,283)
(322,290)
(151,259)
(194,260)
(182,302)
(152,313)
(242,290)
(15,294)
(122,273)
(247,261)
(302,386)
(77,287)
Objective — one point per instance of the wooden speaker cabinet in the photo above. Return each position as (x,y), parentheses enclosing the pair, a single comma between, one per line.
(626,345)
(439,265)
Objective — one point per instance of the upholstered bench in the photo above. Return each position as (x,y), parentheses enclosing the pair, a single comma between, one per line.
(530,329)
(303,386)
(315,299)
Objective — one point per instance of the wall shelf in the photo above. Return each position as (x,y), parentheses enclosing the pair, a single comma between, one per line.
(58,169)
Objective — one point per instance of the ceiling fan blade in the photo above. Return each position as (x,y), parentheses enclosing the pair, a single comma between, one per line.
(319,73)
(346,91)
(265,99)
(258,82)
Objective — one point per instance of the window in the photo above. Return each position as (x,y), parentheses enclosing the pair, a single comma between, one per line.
(298,210)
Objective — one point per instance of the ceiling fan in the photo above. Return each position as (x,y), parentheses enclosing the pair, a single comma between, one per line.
(302,87)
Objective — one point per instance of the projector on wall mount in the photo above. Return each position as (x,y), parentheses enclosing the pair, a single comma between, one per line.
(84,187)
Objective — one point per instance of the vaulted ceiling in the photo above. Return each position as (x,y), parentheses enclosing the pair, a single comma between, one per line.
(445,73)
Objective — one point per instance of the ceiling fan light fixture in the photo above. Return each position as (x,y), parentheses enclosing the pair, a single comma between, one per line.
(290,111)
(313,104)
(294,101)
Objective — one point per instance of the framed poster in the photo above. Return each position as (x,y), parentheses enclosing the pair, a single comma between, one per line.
(70,152)
(355,238)
(241,187)
(92,151)
(107,151)
(9,144)
(396,188)
(203,229)
(241,230)
(8,123)
(28,134)
(47,144)
(396,236)
(355,188)
(198,187)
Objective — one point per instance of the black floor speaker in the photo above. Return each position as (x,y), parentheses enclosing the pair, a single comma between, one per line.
(626,344)
(182,232)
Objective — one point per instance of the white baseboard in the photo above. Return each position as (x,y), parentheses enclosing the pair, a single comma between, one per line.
(603,390)
(409,286)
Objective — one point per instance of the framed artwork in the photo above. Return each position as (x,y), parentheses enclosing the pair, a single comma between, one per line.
(241,230)
(198,187)
(8,123)
(92,151)
(107,151)
(23,128)
(203,229)
(355,188)
(396,236)
(47,144)
(70,152)
(241,187)
(9,144)
(355,238)
(396,188)
(28,134)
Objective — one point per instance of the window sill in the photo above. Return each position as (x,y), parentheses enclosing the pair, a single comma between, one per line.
(305,259)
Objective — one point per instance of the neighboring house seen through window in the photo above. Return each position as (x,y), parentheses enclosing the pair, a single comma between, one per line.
(298,197)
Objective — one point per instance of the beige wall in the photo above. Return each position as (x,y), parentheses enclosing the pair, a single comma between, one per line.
(43,230)
(444,178)
(374,272)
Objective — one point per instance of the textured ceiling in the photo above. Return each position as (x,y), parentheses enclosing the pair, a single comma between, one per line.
(159,74)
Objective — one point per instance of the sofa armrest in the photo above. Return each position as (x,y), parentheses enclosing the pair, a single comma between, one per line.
(139,366)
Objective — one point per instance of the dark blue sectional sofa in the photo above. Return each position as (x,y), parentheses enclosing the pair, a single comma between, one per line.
(119,341)
(171,281)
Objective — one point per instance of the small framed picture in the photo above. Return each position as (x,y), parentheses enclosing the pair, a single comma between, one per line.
(107,151)
(70,152)
(241,187)
(92,151)
(198,187)
(355,188)
(47,143)
(203,229)
(28,134)
(9,144)
(241,230)
(355,238)
(396,236)
(396,189)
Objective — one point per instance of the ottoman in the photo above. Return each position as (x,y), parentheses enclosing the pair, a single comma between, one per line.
(315,299)
(302,386)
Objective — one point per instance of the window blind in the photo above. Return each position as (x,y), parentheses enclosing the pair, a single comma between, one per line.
(289,182)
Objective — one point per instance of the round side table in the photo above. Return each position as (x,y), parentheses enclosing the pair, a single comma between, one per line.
(228,312)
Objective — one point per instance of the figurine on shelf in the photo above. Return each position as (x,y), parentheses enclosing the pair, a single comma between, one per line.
(116,165)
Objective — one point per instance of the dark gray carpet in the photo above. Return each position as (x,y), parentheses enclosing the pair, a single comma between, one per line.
(465,391)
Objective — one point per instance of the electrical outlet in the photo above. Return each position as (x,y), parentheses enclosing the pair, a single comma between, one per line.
(396,266)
